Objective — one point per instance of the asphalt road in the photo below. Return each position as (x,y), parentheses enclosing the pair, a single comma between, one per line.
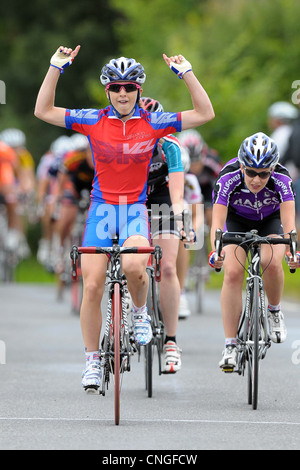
(42,405)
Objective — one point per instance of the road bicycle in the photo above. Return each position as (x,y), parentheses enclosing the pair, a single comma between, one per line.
(117,345)
(253,332)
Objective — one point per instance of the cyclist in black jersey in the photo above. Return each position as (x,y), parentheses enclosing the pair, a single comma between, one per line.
(166,187)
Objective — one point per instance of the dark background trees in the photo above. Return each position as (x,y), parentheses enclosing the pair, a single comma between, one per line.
(246,54)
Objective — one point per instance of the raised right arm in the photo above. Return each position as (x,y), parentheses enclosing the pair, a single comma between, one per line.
(45,108)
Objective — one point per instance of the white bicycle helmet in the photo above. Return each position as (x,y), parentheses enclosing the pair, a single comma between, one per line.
(13,137)
(258,151)
(61,145)
(283,110)
(122,69)
(185,159)
(193,141)
(79,142)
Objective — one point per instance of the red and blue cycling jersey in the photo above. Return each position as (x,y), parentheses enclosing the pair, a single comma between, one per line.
(122,151)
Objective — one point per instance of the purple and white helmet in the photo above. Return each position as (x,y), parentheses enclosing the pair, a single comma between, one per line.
(258,151)
(122,69)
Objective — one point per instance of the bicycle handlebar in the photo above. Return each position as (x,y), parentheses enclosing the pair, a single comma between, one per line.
(109,250)
(156,251)
(253,237)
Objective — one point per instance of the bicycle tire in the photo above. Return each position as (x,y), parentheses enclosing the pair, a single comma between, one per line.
(76,296)
(253,362)
(148,347)
(117,362)
(148,369)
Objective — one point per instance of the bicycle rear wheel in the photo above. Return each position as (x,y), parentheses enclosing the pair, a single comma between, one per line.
(253,351)
(117,361)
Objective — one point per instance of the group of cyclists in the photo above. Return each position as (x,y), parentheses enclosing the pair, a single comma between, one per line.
(133,158)
(17,186)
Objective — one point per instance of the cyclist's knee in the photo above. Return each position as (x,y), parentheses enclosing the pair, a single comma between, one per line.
(93,291)
(233,277)
(134,269)
(168,270)
(274,268)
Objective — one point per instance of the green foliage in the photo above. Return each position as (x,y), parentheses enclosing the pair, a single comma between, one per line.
(30,33)
(245,53)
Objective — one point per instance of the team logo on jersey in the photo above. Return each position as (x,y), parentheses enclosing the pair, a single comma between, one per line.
(123,153)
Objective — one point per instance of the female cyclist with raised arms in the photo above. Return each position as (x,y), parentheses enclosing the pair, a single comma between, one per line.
(122,139)
(253,191)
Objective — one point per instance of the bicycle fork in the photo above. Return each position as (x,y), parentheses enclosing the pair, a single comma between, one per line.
(245,343)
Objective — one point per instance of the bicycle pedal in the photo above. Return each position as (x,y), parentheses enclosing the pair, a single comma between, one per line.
(228,370)
(166,372)
(92,390)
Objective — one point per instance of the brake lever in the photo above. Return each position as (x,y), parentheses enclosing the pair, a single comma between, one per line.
(293,247)
(218,246)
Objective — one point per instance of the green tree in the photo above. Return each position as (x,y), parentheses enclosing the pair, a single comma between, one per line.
(30,33)
(245,53)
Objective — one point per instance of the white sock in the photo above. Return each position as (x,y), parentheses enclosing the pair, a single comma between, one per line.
(273,308)
(92,356)
(230,342)
(140,310)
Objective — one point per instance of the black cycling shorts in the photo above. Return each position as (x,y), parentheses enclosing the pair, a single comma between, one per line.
(271,225)
(159,203)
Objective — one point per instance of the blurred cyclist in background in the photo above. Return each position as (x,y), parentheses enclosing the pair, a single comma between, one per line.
(46,176)
(19,189)
(75,174)
(192,198)
(205,164)
(8,169)
(281,116)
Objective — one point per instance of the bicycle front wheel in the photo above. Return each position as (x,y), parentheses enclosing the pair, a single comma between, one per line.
(253,351)
(117,361)
(148,347)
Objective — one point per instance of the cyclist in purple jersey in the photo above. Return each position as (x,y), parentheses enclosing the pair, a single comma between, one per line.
(253,191)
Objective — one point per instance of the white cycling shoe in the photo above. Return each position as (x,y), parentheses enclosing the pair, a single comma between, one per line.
(142,328)
(172,357)
(91,377)
(277,327)
(229,360)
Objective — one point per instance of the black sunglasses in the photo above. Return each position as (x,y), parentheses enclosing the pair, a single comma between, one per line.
(263,175)
(128,87)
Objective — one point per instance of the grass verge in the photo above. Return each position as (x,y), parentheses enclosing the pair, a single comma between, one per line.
(30,271)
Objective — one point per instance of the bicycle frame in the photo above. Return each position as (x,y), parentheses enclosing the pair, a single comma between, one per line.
(253,336)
